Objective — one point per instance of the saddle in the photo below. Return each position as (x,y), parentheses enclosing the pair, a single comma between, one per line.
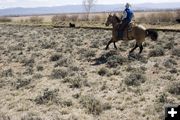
(128,32)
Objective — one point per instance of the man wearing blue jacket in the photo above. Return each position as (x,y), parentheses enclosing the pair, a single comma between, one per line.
(126,18)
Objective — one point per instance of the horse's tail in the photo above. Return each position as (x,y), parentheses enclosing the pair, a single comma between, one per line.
(152,34)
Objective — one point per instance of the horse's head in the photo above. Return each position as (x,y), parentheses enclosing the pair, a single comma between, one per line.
(112,19)
(109,20)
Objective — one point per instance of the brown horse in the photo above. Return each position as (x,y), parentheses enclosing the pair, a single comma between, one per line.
(137,32)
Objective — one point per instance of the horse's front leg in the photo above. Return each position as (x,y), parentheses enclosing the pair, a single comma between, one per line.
(133,48)
(109,44)
(115,45)
(141,48)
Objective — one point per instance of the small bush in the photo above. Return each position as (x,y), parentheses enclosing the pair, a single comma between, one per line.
(55,57)
(63,61)
(28,62)
(103,71)
(21,83)
(93,105)
(76,82)
(158,51)
(176,52)
(47,96)
(174,88)
(115,60)
(5,19)
(96,18)
(35,20)
(135,79)
(59,73)
(73,17)
(169,63)
(30,116)
(39,68)
(57,19)
(7,73)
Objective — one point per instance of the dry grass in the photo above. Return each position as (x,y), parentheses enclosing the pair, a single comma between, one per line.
(65,73)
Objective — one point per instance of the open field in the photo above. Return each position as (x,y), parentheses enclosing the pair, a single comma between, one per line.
(65,74)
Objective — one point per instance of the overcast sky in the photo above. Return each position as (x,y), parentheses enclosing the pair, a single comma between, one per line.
(36,3)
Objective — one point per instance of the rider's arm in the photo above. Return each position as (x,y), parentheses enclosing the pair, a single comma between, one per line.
(124,15)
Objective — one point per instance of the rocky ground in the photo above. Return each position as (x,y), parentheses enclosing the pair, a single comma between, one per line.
(65,74)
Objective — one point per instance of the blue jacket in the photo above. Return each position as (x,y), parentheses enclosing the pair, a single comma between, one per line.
(129,14)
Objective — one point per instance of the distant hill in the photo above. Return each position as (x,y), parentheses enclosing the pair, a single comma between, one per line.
(80,9)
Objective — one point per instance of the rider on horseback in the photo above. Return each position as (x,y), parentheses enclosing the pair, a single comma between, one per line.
(126,18)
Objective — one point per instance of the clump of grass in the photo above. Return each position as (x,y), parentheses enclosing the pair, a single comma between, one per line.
(103,71)
(76,82)
(21,82)
(135,79)
(57,19)
(48,45)
(158,51)
(5,19)
(59,73)
(63,61)
(29,62)
(104,57)
(30,116)
(176,52)
(39,68)
(4,117)
(115,60)
(67,103)
(88,53)
(174,88)
(169,63)
(92,105)
(55,57)
(7,73)
(47,96)
(35,20)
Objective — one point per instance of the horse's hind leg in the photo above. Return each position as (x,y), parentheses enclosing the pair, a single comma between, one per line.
(115,45)
(109,44)
(141,48)
(133,48)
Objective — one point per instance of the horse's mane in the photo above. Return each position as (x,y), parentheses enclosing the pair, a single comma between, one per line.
(117,18)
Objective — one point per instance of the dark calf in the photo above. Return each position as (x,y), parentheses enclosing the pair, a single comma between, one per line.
(178,20)
(71,25)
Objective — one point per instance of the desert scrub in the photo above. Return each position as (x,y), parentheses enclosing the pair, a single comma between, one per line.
(30,116)
(48,45)
(7,73)
(64,62)
(87,53)
(21,82)
(5,19)
(135,79)
(176,52)
(76,82)
(39,68)
(103,71)
(28,62)
(35,20)
(4,117)
(55,57)
(104,57)
(174,88)
(59,73)
(169,63)
(92,105)
(115,60)
(47,96)
(158,51)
